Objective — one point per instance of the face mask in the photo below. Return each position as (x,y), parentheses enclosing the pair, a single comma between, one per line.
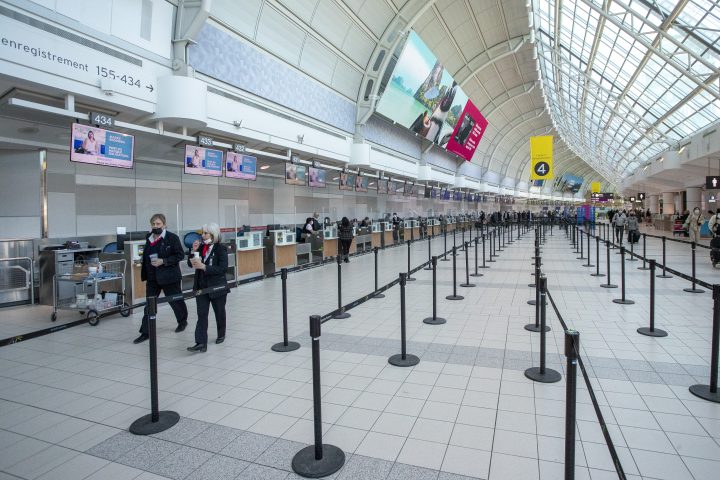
(697,211)
(208,241)
(157,231)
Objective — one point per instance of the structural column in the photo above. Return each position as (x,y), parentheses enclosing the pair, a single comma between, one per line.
(693,198)
(653,204)
(668,199)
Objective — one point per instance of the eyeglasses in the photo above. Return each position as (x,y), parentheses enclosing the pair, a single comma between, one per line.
(206,232)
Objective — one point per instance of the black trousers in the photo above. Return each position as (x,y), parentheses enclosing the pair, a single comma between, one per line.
(203,303)
(152,289)
(619,232)
(345,247)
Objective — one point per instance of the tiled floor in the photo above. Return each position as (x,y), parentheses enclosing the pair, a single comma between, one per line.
(466,410)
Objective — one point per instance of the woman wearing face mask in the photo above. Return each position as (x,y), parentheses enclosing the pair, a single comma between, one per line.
(694,222)
(209,258)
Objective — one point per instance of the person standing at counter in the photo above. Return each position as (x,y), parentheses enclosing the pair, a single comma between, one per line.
(345,235)
(396,227)
(161,271)
(308,229)
(209,258)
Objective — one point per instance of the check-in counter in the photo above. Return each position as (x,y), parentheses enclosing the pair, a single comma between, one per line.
(363,238)
(376,235)
(249,254)
(325,243)
(433,227)
(387,233)
(281,251)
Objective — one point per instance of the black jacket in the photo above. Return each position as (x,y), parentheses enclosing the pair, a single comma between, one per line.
(170,250)
(216,267)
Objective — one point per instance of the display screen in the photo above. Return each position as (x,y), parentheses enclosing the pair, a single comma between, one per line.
(361,183)
(347,181)
(317,177)
(428,191)
(203,161)
(101,147)
(382,185)
(391,187)
(568,183)
(602,197)
(470,197)
(423,97)
(400,187)
(445,194)
(457,196)
(295,174)
(240,166)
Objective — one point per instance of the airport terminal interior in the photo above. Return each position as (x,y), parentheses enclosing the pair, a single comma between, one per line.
(359,239)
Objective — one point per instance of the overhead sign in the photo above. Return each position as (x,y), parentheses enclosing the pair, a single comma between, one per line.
(595,187)
(541,157)
(632,199)
(713,182)
(641,196)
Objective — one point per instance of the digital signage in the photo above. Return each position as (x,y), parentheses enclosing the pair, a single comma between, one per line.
(347,181)
(203,161)
(295,174)
(98,146)
(240,166)
(382,185)
(361,183)
(317,177)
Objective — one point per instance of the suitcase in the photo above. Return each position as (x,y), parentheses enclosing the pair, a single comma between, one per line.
(715,256)
(633,236)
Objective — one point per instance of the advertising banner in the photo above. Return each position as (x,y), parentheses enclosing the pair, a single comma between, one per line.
(203,161)
(595,187)
(468,132)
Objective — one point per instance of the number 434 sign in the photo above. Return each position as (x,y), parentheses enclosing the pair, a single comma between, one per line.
(541,157)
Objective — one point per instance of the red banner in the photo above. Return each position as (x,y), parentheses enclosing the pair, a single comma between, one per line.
(467,134)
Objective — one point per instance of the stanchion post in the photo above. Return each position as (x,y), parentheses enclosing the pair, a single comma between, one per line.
(483,243)
(376,294)
(652,331)
(694,288)
(710,392)
(664,273)
(409,278)
(542,374)
(434,320)
(454,296)
(403,359)
(317,460)
(476,274)
(491,237)
(597,259)
(588,264)
(608,284)
(572,351)
(467,268)
(429,238)
(632,249)
(342,313)
(622,300)
(644,255)
(285,346)
(156,421)
(580,242)
(445,251)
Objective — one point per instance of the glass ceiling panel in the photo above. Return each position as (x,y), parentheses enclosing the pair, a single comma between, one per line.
(639,101)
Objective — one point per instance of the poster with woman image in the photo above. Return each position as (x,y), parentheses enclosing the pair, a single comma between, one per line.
(101,147)
(203,161)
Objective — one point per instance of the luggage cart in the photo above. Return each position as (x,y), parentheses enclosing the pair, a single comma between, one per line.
(90,296)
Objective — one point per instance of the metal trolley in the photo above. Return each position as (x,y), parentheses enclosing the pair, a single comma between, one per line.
(98,289)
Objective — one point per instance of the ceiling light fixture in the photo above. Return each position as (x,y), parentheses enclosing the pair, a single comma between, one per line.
(682,149)
(264,167)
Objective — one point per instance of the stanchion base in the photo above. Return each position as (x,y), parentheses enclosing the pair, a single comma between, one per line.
(608,285)
(652,333)
(408,361)
(467,285)
(410,279)
(454,297)
(597,274)
(531,327)
(531,302)
(632,259)
(476,274)
(281,347)
(341,316)
(427,268)
(378,295)
(664,276)
(620,301)
(305,464)
(531,285)
(434,321)
(580,258)
(550,375)
(643,268)
(483,266)
(693,290)
(444,259)
(145,426)
(491,261)
(586,265)
(703,391)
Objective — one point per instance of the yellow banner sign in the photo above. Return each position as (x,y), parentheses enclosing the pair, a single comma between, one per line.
(595,187)
(541,157)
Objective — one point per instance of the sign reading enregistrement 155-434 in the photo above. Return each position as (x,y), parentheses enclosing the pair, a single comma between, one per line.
(73,57)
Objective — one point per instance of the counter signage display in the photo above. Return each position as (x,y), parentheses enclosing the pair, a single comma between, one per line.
(445,194)
(203,161)
(457,196)
(98,146)
(240,166)
(382,185)
(428,191)
(295,174)
(408,190)
(391,187)
(347,181)
(361,183)
(317,177)
(400,187)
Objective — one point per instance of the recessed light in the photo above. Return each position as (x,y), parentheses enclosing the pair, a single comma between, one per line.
(28,130)
(335,178)
(264,167)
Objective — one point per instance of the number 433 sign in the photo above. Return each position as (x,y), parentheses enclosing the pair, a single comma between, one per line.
(541,157)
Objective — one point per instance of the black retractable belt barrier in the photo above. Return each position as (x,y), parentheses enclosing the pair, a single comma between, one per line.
(580,242)
(652,331)
(403,359)
(588,264)
(694,288)
(454,296)
(572,352)
(321,459)
(285,346)
(644,254)
(483,242)
(444,255)
(434,320)
(491,237)
(535,327)
(342,314)
(608,284)
(499,240)
(710,392)
(156,421)
(377,294)
(476,274)
(467,268)
(664,263)
(542,374)
(597,259)
(463,239)
(409,278)
(510,233)
(622,300)
(631,258)
(429,238)
(454,235)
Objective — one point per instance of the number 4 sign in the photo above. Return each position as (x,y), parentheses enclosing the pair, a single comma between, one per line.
(541,157)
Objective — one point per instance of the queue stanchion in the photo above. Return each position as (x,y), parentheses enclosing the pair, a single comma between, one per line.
(156,421)
(694,288)
(499,247)
(535,327)
(467,268)
(710,392)
(445,251)
(588,264)
(376,294)
(454,296)
(483,243)
(510,233)
(476,274)
(320,459)
(608,284)
(652,331)
(454,236)
(463,239)
(429,238)
(632,248)
(542,374)
(622,300)
(434,320)
(664,273)
(409,278)
(597,259)
(644,255)
(342,313)
(285,346)
(492,246)
(580,242)
(572,352)
(403,359)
